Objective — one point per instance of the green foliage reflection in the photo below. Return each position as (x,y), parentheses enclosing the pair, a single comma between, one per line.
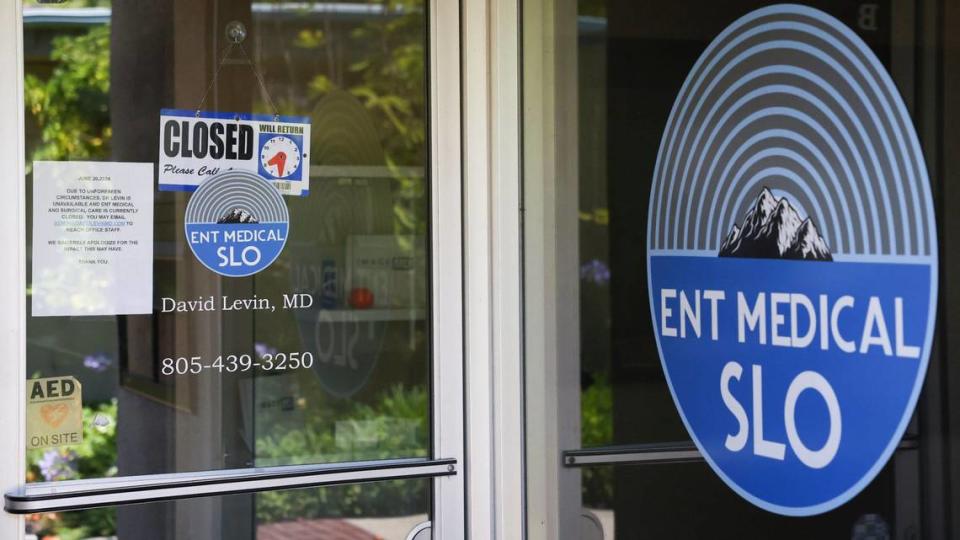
(96,457)
(395,425)
(596,414)
(72,105)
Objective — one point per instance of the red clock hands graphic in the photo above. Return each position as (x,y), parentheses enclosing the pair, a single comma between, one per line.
(280,159)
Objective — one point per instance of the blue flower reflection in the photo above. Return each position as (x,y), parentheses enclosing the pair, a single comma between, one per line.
(56,465)
(98,362)
(595,271)
(263,349)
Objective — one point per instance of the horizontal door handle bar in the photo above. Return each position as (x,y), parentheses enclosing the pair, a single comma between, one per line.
(649,454)
(677,452)
(94,493)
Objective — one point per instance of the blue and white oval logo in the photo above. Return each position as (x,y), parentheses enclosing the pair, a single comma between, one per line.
(792,257)
(236,223)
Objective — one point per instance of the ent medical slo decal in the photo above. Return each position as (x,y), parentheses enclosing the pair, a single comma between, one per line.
(236,223)
(792,259)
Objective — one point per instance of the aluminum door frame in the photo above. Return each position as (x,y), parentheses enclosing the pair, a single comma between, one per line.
(13,269)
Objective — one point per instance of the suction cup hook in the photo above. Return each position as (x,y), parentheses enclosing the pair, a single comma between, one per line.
(236,32)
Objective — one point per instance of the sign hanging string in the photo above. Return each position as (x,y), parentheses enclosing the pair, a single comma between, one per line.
(236,36)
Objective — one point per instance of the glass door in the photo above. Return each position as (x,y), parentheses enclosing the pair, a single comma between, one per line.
(241,295)
(619,445)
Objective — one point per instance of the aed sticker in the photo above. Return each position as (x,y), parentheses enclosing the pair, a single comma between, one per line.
(54,412)
(197,145)
(792,260)
(236,223)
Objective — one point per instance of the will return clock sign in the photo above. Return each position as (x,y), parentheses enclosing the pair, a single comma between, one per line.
(280,156)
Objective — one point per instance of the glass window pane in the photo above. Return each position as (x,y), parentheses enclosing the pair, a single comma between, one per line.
(621,109)
(601,80)
(225,372)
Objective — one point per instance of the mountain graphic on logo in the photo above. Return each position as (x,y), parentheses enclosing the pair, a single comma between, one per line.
(773,229)
(238,216)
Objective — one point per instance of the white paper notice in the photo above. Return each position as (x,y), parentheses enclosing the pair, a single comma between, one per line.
(92,238)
